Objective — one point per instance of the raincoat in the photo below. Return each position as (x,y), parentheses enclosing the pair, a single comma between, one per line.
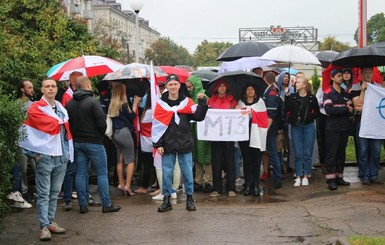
(202,149)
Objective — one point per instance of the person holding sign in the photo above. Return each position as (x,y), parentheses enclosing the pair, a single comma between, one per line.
(222,152)
(252,148)
(172,137)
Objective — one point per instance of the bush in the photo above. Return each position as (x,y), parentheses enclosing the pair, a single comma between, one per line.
(11,118)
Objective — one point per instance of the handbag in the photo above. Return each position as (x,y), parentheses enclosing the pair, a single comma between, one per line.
(109,130)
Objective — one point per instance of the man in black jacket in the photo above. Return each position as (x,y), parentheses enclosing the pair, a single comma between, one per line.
(172,137)
(88,124)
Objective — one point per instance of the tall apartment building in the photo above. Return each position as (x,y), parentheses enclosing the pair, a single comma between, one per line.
(105,17)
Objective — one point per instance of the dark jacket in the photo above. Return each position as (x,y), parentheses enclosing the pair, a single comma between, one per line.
(178,138)
(86,118)
(301,110)
(336,108)
(274,110)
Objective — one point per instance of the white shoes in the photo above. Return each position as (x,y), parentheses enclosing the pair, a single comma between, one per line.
(297,182)
(16,196)
(24,204)
(160,197)
(305,181)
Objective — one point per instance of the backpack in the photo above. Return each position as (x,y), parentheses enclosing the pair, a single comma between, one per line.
(280,119)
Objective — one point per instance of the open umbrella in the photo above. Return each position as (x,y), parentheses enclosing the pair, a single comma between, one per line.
(206,76)
(238,81)
(291,54)
(326,57)
(244,49)
(244,64)
(182,73)
(368,56)
(89,65)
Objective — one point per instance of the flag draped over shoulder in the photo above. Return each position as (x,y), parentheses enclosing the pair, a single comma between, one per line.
(145,132)
(259,124)
(42,129)
(163,114)
(373,113)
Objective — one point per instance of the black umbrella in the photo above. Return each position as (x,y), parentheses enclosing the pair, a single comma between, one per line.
(206,76)
(134,86)
(238,81)
(244,49)
(369,56)
(326,57)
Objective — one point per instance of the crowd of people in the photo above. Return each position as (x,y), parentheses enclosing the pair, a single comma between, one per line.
(65,136)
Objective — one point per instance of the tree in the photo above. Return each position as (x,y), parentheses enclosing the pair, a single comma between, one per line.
(35,35)
(376,29)
(331,43)
(207,52)
(167,52)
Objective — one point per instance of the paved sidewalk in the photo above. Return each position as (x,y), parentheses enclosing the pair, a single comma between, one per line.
(291,215)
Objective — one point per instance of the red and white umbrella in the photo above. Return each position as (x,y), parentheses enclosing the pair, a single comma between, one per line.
(89,65)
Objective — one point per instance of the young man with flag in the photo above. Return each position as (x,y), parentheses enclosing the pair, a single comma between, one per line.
(49,141)
(172,137)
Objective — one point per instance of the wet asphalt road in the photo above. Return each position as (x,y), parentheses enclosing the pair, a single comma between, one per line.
(290,215)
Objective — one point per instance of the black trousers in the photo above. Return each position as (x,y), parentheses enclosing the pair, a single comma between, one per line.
(335,150)
(147,168)
(252,158)
(222,158)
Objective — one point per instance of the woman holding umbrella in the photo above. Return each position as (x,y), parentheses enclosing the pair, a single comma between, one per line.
(222,153)
(252,148)
(302,108)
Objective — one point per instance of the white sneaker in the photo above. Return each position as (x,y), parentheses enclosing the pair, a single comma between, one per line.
(74,195)
(297,182)
(158,197)
(24,204)
(173,196)
(16,196)
(305,182)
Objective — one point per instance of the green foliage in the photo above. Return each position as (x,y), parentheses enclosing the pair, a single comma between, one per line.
(331,43)
(376,29)
(11,118)
(315,80)
(35,35)
(207,52)
(365,240)
(167,52)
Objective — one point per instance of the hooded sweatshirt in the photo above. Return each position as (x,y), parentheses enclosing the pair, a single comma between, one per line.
(198,87)
(281,88)
(86,118)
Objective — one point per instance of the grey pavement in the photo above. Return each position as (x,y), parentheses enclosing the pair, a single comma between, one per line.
(290,215)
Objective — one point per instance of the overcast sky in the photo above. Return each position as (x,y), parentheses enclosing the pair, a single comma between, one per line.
(189,22)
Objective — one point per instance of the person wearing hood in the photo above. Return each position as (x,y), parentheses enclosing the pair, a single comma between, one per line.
(283,83)
(347,82)
(88,124)
(222,152)
(202,149)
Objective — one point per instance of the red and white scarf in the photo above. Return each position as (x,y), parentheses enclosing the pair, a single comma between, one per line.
(67,96)
(42,129)
(163,114)
(259,124)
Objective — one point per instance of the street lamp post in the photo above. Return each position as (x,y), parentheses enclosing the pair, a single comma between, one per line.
(137,5)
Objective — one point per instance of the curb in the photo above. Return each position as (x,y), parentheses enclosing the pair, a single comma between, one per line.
(342,241)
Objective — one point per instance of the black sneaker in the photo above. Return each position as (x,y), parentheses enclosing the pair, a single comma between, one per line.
(332,186)
(277,185)
(83,209)
(376,181)
(342,182)
(112,208)
(67,206)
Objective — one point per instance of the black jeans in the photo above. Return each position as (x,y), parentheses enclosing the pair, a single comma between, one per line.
(252,158)
(222,158)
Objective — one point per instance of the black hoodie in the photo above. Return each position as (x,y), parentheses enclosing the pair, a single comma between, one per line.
(86,118)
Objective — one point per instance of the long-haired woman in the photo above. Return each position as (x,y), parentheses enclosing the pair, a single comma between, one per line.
(123,123)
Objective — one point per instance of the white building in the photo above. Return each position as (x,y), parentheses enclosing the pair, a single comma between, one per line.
(106,18)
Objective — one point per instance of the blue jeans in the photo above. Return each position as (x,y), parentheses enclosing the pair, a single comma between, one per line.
(49,177)
(303,136)
(368,158)
(273,157)
(68,181)
(185,164)
(95,154)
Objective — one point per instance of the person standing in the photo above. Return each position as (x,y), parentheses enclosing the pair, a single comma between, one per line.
(88,124)
(49,141)
(252,148)
(172,137)
(369,150)
(222,152)
(302,109)
(338,107)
